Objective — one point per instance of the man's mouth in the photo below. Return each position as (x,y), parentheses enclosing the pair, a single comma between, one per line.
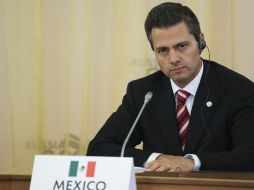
(177,69)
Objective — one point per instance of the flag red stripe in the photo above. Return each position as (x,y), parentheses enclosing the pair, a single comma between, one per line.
(90,169)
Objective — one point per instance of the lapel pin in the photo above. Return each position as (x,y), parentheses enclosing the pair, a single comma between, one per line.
(209,104)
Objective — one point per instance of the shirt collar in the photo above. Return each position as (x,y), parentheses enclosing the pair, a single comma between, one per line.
(192,87)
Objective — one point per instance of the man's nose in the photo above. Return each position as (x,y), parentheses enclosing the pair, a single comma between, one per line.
(173,57)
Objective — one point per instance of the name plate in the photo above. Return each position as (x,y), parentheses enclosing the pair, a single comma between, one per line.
(82,173)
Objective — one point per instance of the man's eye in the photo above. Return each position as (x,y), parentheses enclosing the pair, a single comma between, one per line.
(182,46)
(163,51)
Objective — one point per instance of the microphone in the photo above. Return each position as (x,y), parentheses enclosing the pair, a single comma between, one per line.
(147,99)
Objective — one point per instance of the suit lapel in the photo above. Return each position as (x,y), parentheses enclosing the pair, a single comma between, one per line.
(164,103)
(202,109)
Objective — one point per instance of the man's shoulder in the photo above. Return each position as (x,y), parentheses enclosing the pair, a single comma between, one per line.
(150,79)
(228,81)
(152,82)
(223,73)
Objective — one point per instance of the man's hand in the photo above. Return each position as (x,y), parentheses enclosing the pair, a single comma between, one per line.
(168,163)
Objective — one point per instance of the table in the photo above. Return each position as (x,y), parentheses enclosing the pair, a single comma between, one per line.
(195,181)
(162,181)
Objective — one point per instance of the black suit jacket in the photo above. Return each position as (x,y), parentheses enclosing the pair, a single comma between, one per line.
(222,136)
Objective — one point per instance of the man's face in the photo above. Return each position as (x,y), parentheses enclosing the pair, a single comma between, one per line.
(177,53)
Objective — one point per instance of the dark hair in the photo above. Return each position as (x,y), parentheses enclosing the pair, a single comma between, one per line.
(169,14)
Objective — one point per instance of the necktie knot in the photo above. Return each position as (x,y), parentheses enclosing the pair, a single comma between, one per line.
(182,96)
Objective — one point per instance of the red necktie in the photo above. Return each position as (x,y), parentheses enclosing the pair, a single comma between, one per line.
(182,116)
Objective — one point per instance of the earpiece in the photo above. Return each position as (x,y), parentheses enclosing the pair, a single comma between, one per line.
(202,44)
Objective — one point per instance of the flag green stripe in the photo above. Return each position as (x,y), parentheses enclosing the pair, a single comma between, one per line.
(73,169)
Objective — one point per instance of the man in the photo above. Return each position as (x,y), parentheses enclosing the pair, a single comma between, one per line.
(201,116)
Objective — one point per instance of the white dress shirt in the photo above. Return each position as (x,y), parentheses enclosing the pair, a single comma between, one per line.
(192,89)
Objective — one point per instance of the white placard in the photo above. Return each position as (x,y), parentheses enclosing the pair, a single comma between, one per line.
(82,173)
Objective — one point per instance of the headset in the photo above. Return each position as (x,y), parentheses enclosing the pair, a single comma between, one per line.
(202,44)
